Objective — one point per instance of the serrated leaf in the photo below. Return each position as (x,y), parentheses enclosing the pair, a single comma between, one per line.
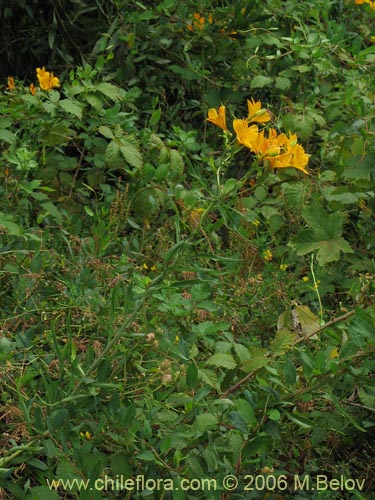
(130,151)
(324,235)
(283,341)
(112,153)
(105,131)
(94,101)
(205,422)
(52,210)
(222,360)
(109,90)
(8,225)
(209,377)
(74,108)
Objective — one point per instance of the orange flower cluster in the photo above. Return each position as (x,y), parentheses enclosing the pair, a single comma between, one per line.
(277,150)
(198,22)
(46,79)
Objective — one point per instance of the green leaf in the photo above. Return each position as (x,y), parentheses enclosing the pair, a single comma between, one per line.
(282,342)
(7,224)
(58,134)
(57,419)
(205,422)
(192,376)
(7,136)
(109,90)
(257,360)
(106,132)
(297,419)
(112,153)
(260,81)
(324,235)
(72,107)
(222,360)
(130,150)
(246,411)
(155,117)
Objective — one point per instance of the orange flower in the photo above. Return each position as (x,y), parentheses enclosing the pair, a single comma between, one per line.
(46,79)
(256,113)
(32,89)
(245,135)
(10,83)
(217,117)
(198,22)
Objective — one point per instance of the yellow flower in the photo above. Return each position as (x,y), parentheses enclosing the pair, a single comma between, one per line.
(267,255)
(32,89)
(85,435)
(245,135)
(334,353)
(10,83)
(256,113)
(283,267)
(305,279)
(256,223)
(372,39)
(145,266)
(217,117)
(46,79)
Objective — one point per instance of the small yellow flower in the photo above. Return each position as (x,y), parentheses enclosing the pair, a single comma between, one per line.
(267,255)
(177,339)
(46,79)
(85,435)
(305,279)
(10,83)
(145,266)
(334,353)
(153,267)
(217,117)
(255,223)
(283,267)
(372,39)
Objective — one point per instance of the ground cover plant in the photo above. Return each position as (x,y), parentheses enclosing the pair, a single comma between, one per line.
(186,250)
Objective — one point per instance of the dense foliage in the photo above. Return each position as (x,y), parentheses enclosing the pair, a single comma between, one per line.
(186,250)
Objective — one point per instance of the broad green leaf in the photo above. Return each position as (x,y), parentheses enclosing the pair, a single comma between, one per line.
(57,419)
(290,372)
(58,134)
(7,224)
(72,107)
(282,342)
(130,151)
(94,101)
(222,360)
(260,81)
(112,153)
(246,411)
(205,422)
(106,132)
(324,235)
(109,90)
(257,360)
(208,377)
(304,321)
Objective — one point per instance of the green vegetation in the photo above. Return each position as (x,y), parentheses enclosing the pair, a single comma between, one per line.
(186,298)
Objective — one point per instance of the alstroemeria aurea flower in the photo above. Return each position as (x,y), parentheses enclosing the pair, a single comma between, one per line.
(245,135)
(10,83)
(257,113)
(217,117)
(46,79)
